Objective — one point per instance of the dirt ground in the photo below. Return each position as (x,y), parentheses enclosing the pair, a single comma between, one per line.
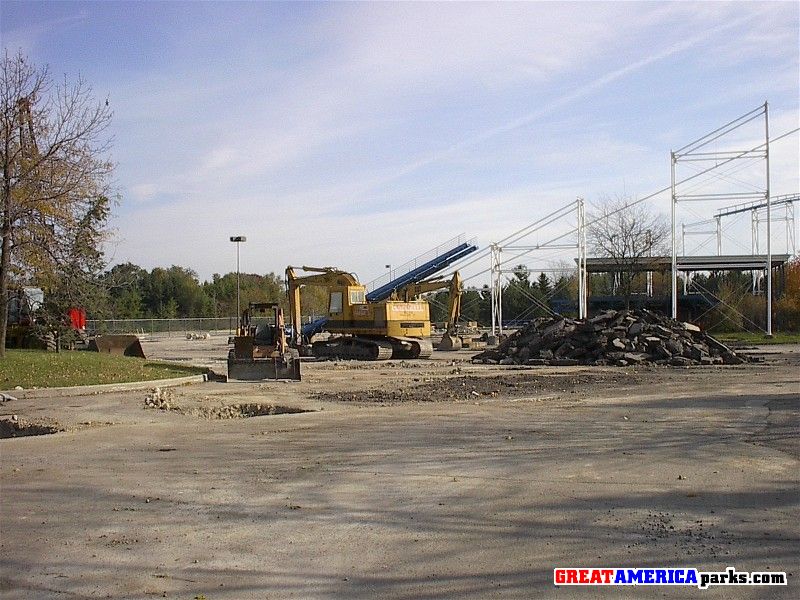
(406,479)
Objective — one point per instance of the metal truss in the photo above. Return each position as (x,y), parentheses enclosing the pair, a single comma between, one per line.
(700,151)
(510,245)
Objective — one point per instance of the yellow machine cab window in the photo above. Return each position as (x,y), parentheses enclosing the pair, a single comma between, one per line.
(336,303)
(358,297)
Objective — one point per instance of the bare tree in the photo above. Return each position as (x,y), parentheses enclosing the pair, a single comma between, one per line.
(629,235)
(54,181)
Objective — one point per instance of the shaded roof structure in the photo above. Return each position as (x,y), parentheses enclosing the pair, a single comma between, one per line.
(745,262)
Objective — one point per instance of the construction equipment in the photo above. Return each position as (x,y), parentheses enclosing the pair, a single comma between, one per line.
(118,344)
(260,350)
(27,327)
(454,338)
(450,339)
(362,330)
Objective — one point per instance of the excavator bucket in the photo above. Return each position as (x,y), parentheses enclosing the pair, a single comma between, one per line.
(450,342)
(122,345)
(258,369)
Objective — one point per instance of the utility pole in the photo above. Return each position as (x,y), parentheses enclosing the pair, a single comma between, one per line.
(238,239)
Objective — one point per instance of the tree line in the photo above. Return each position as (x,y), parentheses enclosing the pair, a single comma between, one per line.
(131,292)
(128,291)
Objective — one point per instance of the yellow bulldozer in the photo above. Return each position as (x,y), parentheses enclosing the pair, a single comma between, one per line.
(360,329)
(260,349)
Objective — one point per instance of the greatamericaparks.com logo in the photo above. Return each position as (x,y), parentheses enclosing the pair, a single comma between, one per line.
(664,576)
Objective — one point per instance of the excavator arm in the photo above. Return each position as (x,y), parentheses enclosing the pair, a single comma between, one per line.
(322,277)
(454,287)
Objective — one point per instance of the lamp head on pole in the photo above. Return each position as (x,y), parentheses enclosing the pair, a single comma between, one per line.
(238,238)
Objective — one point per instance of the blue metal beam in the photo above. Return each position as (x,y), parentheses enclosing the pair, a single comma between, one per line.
(422,272)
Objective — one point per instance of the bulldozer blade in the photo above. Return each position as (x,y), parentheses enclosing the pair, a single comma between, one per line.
(258,369)
(450,342)
(122,345)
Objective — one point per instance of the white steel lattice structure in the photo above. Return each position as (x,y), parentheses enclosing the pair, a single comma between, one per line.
(782,211)
(782,208)
(702,150)
(509,245)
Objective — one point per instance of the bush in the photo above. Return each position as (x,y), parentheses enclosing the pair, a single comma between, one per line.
(787,308)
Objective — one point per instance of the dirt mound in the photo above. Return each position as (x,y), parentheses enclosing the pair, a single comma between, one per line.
(16,427)
(164,400)
(611,338)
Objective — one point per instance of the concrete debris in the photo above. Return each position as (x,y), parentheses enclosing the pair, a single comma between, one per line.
(612,337)
(160,399)
(198,336)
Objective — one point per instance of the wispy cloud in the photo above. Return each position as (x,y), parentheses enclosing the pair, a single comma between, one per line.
(358,133)
(581,92)
(28,37)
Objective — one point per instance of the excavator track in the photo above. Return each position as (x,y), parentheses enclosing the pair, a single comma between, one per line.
(409,347)
(352,348)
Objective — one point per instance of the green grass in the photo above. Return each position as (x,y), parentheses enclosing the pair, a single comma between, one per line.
(35,368)
(758,338)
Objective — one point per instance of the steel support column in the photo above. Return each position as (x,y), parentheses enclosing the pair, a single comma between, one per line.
(496,289)
(674,249)
(769,223)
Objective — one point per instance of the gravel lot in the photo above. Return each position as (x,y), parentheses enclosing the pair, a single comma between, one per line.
(426,479)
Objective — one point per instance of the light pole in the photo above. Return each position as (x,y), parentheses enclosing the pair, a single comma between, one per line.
(390,271)
(238,239)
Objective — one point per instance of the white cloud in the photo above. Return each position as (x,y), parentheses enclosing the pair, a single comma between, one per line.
(142,192)
(29,37)
(286,154)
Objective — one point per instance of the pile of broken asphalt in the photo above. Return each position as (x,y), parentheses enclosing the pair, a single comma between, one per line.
(617,338)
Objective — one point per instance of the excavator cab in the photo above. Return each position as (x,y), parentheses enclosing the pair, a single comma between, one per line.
(260,350)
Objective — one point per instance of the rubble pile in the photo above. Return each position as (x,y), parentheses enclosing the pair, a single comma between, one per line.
(611,338)
(159,399)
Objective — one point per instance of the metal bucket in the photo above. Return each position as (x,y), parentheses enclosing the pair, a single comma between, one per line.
(121,345)
(450,342)
(259,369)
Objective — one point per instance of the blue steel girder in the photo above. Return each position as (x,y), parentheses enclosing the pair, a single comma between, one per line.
(422,272)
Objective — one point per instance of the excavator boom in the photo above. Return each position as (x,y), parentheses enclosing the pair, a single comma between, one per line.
(450,339)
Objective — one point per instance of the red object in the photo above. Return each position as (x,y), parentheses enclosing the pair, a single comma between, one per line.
(77,318)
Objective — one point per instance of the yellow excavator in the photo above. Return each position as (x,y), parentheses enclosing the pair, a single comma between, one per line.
(451,340)
(361,330)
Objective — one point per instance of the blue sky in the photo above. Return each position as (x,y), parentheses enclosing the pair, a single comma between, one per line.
(362,134)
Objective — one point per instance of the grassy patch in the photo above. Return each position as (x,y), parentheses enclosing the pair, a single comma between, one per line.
(34,368)
(758,338)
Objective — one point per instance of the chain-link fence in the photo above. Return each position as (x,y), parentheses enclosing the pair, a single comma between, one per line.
(161,326)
